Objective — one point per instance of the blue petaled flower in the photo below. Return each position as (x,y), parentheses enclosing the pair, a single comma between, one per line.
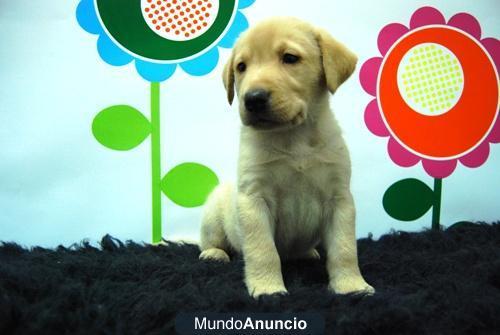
(161,34)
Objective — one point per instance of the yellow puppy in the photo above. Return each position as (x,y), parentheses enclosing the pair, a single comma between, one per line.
(294,169)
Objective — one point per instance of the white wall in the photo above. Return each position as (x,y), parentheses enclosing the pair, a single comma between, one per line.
(59,185)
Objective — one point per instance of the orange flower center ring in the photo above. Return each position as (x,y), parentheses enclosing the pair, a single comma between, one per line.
(438,92)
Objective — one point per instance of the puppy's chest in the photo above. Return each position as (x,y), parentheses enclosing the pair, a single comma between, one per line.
(301,164)
(299,189)
(307,172)
(301,203)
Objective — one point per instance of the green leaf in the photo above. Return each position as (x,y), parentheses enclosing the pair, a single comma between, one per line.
(121,127)
(189,184)
(408,199)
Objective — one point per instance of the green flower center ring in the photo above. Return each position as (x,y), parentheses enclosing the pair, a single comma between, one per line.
(180,20)
(430,79)
(166,30)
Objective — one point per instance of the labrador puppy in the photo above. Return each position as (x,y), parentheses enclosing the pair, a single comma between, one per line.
(293,189)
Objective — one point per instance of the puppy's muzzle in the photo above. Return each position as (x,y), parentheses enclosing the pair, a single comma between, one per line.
(257,102)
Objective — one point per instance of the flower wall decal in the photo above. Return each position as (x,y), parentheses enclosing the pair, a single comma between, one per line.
(128,33)
(158,36)
(436,97)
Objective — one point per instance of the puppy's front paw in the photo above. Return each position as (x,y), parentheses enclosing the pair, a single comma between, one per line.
(350,284)
(215,255)
(267,290)
(261,287)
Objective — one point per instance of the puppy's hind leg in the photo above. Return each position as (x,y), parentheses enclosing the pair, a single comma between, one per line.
(213,239)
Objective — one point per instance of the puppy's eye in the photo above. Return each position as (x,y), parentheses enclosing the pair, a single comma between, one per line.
(290,59)
(241,67)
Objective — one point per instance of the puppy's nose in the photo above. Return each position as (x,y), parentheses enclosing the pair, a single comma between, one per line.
(257,100)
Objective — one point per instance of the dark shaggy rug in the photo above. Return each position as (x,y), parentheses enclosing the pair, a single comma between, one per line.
(427,283)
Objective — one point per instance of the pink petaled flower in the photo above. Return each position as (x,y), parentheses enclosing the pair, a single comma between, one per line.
(436,90)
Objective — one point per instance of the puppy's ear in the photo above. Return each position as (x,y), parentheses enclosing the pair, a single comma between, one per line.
(228,78)
(338,61)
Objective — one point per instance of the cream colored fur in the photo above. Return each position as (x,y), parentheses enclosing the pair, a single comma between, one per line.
(293,189)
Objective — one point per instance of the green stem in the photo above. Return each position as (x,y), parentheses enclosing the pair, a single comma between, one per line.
(436,208)
(156,161)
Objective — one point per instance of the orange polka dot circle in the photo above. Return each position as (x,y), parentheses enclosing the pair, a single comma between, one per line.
(180,20)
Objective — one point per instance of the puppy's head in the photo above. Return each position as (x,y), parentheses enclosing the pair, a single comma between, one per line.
(281,68)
